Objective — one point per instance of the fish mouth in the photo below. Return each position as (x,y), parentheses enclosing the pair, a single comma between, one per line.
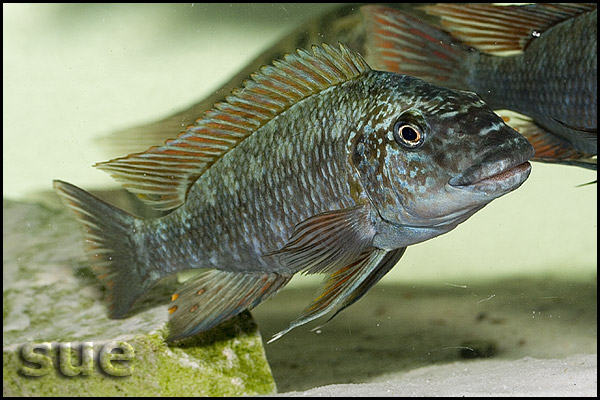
(493,176)
(503,168)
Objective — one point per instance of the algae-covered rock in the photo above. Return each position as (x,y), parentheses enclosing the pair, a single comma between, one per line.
(58,340)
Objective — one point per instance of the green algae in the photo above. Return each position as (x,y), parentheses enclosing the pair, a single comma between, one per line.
(50,296)
(158,370)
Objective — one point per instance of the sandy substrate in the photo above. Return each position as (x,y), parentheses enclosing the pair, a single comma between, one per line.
(573,376)
(527,336)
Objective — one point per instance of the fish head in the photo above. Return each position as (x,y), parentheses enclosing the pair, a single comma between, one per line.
(428,158)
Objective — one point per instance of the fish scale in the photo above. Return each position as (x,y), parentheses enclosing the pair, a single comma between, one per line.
(254,185)
(312,177)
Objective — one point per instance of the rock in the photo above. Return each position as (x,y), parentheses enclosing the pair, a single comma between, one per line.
(52,299)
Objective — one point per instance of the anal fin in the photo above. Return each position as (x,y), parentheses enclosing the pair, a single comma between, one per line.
(346,285)
(214,296)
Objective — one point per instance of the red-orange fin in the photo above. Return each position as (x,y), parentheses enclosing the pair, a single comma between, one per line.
(401,43)
(214,296)
(549,148)
(385,265)
(494,28)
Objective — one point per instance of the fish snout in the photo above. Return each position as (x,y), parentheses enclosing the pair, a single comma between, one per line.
(502,169)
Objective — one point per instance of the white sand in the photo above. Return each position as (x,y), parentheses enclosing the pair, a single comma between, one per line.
(540,335)
(574,376)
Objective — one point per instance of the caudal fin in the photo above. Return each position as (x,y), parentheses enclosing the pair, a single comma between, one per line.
(111,239)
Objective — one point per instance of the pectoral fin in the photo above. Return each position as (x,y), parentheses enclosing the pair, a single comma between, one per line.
(346,285)
(385,265)
(328,241)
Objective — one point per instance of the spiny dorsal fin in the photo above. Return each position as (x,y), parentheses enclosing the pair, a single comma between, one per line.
(161,176)
(492,28)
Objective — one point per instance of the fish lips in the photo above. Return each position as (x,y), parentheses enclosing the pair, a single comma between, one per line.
(495,174)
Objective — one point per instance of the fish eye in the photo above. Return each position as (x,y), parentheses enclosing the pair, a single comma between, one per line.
(407,134)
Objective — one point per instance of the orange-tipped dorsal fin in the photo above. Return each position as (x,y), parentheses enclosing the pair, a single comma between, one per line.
(492,28)
(161,176)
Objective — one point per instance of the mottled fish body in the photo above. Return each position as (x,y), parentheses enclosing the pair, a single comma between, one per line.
(550,76)
(319,164)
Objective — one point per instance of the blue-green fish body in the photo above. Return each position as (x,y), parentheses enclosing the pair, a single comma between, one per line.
(319,164)
(552,78)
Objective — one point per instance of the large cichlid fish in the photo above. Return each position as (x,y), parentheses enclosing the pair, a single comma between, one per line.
(550,77)
(319,164)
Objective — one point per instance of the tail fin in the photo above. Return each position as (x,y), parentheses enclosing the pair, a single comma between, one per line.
(111,237)
(398,42)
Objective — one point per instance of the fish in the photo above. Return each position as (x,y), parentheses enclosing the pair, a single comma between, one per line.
(536,65)
(317,164)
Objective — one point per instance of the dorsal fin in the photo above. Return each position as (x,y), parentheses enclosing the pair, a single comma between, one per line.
(161,176)
(492,28)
